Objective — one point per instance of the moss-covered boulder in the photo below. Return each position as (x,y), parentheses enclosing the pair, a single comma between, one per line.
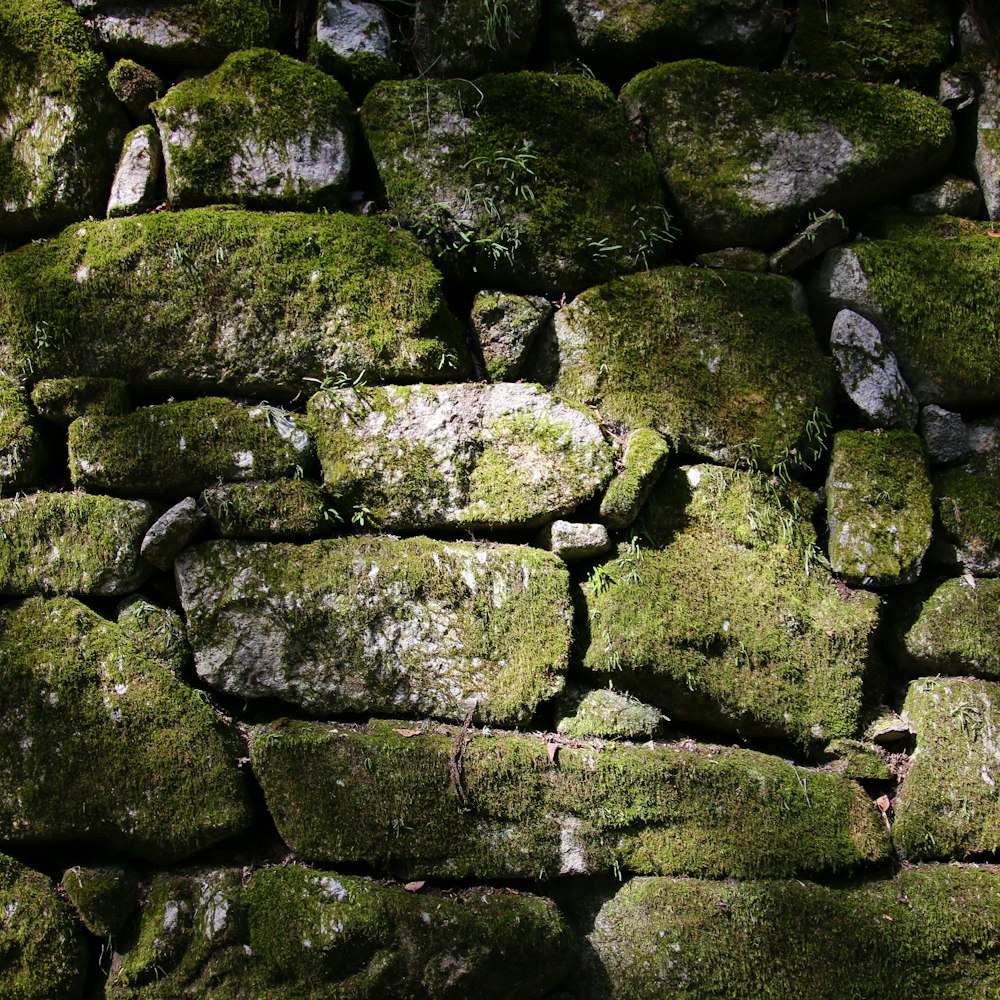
(101,746)
(930,931)
(229,301)
(262,130)
(62,400)
(644,458)
(879,509)
(525,181)
(22,453)
(353,41)
(281,508)
(294,933)
(931,290)
(506,327)
(104,898)
(135,86)
(967,498)
(501,806)
(159,631)
(947,805)
(374,624)
(72,543)
(61,127)
(603,713)
(177,448)
(43,955)
(465,456)
(138,183)
(747,154)
(730,619)
(729,370)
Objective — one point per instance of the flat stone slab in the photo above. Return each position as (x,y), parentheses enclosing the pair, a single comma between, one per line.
(275,509)
(375,624)
(967,502)
(468,456)
(72,543)
(447,803)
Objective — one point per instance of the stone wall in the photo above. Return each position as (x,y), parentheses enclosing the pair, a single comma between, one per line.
(499,499)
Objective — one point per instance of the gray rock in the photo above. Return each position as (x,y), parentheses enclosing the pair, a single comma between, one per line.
(506,327)
(171,531)
(967,497)
(984,435)
(980,54)
(571,541)
(956,89)
(869,373)
(944,433)
(950,196)
(820,235)
(159,632)
(139,175)
(602,713)
(459,456)
(22,452)
(353,41)
(374,624)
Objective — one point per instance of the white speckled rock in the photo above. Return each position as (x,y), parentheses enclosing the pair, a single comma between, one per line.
(137,180)
(570,540)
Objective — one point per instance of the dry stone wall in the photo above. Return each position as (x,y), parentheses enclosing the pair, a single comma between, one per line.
(499,499)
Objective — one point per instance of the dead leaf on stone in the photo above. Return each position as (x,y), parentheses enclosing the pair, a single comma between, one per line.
(409,732)
(414,886)
(552,749)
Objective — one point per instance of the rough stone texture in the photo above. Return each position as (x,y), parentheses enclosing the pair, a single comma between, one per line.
(945,434)
(729,370)
(262,130)
(137,183)
(295,933)
(728,619)
(984,435)
(62,400)
(950,196)
(507,809)
(571,540)
(977,33)
(466,456)
(506,327)
(947,805)
(159,632)
(72,543)
(967,498)
(859,760)
(734,259)
(135,86)
(352,40)
(603,713)
(824,232)
(42,951)
(228,301)
(371,624)
(60,127)
(870,374)
(879,510)
(171,531)
(176,448)
(282,508)
(22,453)
(644,459)
(104,898)
(523,181)
(746,155)
(101,746)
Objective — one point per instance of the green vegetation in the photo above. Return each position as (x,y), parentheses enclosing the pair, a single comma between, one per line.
(21,449)
(283,508)
(966,499)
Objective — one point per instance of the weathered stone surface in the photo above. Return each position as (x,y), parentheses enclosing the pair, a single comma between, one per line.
(159,632)
(728,370)
(294,933)
(135,86)
(171,531)
(104,898)
(746,154)
(879,509)
(282,508)
(967,498)
(137,183)
(177,448)
(729,619)
(72,543)
(60,126)
(459,456)
(101,746)
(22,453)
(572,540)
(506,327)
(950,196)
(978,28)
(228,301)
(374,624)
(933,929)
(870,374)
(859,760)
(734,259)
(824,232)
(507,810)
(944,433)
(930,290)
(984,435)
(42,951)
(523,181)
(262,130)
(947,805)
(602,713)
(62,400)
(353,41)
(645,457)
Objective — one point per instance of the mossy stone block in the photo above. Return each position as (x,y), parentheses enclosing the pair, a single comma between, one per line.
(178,448)
(228,301)
(72,543)
(729,370)
(524,181)
(159,632)
(747,155)
(947,805)
(261,130)
(603,713)
(22,453)
(506,327)
(62,400)
(879,510)
(859,760)
(376,624)
(967,499)
(101,746)
(645,456)
(135,86)
(43,954)
(281,508)
(729,619)
(499,806)
(104,898)
(466,456)
(352,41)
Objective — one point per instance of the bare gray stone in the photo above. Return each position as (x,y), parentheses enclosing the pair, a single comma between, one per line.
(140,171)
(352,40)
(944,433)
(570,540)
(984,435)
(950,196)
(171,532)
(819,236)
(507,326)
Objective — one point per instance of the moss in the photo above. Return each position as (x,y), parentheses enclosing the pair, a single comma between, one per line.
(284,508)
(135,86)
(725,369)
(603,712)
(646,454)
(104,898)
(254,110)
(42,952)
(159,631)
(859,760)
(236,301)
(879,507)
(21,450)
(62,400)
(182,447)
(966,500)
(71,543)
(505,809)
(100,746)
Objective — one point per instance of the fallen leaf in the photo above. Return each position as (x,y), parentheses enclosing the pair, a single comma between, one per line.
(883,804)
(409,732)
(414,886)
(969,580)
(552,749)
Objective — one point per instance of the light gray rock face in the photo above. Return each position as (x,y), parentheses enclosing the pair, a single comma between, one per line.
(967,498)
(870,374)
(467,456)
(982,60)
(945,434)
(819,236)
(506,327)
(139,175)
(353,41)
(602,713)
(72,543)
(374,624)
(984,435)
(950,196)
(171,531)
(570,540)
(22,453)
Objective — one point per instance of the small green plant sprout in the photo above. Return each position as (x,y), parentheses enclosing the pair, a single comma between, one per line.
(600,579)
(338,380)
(602,249)
(653,228)
(448,360)
(361,515)
(513,168)
(496,22)
(44,335)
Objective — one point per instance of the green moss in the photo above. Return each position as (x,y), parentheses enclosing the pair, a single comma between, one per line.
(62,400)
(134,85)
(284,508)
(602,712)
(104,898)
(966,499)
(21,448)
(859,760)
(646,454)
(159,631)
(236,301)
